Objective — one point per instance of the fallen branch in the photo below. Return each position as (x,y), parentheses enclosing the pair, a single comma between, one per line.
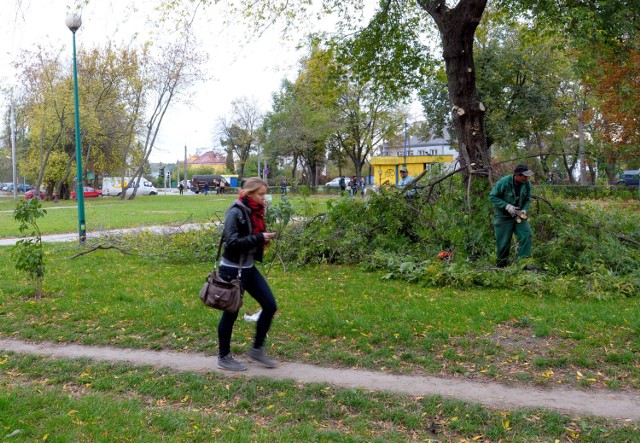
(538,197)
(310,221)
(619,236)
(95,248)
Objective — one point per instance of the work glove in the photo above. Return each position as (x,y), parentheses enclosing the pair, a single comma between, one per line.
(511,210)
(521,215)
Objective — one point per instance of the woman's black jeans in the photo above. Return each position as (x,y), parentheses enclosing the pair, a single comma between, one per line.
(255,284)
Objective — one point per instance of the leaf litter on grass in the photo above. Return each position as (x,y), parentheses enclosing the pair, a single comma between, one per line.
(518,355)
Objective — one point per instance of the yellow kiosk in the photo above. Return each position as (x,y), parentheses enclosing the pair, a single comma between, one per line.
(386,168)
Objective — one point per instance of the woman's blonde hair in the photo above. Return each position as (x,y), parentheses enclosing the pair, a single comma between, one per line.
(253,184)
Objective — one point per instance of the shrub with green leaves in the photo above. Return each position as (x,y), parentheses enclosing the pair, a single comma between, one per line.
(589,250)
(27,252)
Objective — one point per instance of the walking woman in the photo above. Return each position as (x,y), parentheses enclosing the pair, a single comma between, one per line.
(245,237)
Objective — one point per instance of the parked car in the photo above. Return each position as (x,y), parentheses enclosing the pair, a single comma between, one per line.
(21,187)
(629,178)
(5,186)
(113,186)
(335,183)
(88,192)
(32,193)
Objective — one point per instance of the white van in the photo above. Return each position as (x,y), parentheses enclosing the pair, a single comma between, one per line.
(112,186)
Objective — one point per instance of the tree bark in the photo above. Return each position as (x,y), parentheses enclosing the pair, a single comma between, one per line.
(457,28)
(581,155)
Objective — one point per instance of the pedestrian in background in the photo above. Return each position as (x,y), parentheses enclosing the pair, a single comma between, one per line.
(283,186)
(206,188)
(245,237)
(405,179)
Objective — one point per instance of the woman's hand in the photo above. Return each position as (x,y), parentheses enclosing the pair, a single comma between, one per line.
(269,235)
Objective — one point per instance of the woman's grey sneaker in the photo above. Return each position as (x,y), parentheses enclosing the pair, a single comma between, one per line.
(260,356)
(231,364)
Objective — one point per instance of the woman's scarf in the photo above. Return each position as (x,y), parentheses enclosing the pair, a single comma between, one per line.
(257,214)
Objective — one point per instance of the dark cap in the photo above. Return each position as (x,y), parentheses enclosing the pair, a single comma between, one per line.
(522,169)
(403,169)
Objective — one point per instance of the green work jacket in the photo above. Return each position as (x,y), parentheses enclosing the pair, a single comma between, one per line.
(504,193)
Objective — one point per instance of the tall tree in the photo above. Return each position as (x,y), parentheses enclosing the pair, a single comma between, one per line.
(305,112)
(240,131)
(369,105)
(171,72)
(616,83)
(46,110)
(281,127)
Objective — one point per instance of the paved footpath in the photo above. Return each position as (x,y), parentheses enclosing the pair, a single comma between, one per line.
(97,235)
(601,403)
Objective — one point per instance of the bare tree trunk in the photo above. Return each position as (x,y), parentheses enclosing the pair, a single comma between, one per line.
(457,28)
(610,169)
(570,165)
(58,187)
(583,167)
(544,156)
(592,173)
(294,170)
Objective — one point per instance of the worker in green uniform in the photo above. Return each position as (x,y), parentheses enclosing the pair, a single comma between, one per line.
(511,198)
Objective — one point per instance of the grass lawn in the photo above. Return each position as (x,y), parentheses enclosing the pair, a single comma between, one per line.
(110,212)
(329,315)
(333,315)
(63,400)
(148,210)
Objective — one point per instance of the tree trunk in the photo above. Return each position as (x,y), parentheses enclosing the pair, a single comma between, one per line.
(294,170)
(581,155)
(541,153)
(229,161)
(457,28)
(610,170)
(570,165)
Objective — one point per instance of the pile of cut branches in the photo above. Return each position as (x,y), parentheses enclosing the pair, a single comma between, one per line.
(585,250)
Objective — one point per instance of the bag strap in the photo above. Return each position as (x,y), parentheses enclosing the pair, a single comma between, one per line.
(215,262)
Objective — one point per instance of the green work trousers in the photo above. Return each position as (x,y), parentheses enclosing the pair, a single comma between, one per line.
(505,228)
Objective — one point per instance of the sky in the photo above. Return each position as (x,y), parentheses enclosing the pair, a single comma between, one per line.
(235,68)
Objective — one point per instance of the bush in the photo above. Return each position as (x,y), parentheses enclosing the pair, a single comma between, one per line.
(586,251)
(579,192)
(28,252)
(580,250)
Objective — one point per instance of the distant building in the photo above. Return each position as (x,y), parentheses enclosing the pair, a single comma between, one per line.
(217,161)
(420,155)
(417,146)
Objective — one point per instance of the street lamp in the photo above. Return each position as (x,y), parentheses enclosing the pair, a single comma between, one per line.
(74,22)
(405,144)
(12,125)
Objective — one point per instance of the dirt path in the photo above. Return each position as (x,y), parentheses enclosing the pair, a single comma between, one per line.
(599,403)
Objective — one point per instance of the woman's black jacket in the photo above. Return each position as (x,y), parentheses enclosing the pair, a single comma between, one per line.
(238,239)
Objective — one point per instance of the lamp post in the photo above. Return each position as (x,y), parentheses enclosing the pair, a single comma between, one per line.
(405,144)
(73,22)
(185,165)
(12,125)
